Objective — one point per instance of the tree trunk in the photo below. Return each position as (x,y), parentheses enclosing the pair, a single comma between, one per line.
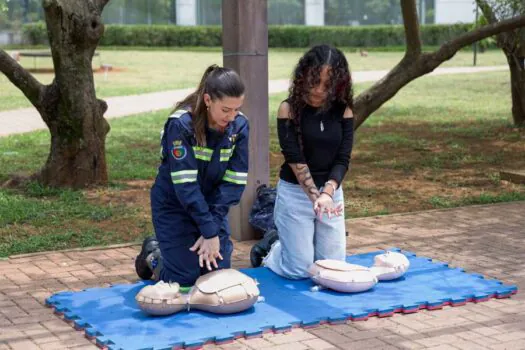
(512,44)
(70,107)
(517,87)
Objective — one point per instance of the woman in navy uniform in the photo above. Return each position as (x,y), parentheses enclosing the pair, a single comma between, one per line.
(203,172)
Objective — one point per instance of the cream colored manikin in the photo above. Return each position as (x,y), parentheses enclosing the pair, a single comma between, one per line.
(161,299)
(223,292)
(390,265)
(349,278)
(342,276)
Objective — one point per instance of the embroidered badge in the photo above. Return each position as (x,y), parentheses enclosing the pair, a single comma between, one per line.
(178,152)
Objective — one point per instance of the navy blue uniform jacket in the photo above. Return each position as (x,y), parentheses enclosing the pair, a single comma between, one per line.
(200,184)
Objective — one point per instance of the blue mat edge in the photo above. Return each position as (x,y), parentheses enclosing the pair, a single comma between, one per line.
(103,342)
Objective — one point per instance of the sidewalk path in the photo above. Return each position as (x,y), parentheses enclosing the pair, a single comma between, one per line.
(483,239)
(28,119)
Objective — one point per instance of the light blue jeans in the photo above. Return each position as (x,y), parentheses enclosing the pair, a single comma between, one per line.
(303,238)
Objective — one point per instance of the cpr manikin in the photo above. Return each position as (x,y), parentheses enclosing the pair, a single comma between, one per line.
(390,265)
(349,278)
(223,292)
(342,276)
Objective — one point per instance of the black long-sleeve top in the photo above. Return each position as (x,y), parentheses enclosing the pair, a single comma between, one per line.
(327,139)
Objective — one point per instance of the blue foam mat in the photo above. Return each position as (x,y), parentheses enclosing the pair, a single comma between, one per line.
(112,316)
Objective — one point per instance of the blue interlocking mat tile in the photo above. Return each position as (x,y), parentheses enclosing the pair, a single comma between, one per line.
(112,317)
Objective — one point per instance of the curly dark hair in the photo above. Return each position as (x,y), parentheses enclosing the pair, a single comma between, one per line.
(307,75)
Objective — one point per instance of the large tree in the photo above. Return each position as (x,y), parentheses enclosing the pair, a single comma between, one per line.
(416,63)
(69,106)
(512,43)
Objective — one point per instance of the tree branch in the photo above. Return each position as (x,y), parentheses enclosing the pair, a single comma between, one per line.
(487,11)
(21,78)
(505,39)
(411,23)
(448,50)
(413,67)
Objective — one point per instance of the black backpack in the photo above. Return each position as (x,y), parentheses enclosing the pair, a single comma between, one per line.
(261,215)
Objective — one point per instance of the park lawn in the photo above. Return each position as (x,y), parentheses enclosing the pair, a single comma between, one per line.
(142,71)
(438,143)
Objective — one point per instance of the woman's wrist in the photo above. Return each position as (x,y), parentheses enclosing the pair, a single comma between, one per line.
(328,194)
(330,184)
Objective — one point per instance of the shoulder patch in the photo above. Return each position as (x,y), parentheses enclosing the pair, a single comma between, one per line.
(178,151)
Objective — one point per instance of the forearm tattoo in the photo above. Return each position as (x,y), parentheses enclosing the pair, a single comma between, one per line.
(302,173)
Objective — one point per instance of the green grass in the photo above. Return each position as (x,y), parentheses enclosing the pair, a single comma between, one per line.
(439,143)
(146,71)
(132,144)
(483,198)
(131,148)
(392,140)
(42,207)
(36,218)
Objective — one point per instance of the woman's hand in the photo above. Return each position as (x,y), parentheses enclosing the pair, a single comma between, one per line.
(338,211)
(323,204)
(208,251)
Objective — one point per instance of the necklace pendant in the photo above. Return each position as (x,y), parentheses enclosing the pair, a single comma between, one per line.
(321,126)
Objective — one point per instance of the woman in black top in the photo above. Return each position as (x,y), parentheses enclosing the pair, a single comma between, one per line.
(315,129)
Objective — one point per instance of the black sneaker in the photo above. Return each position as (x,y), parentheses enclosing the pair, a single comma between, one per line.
(141,265)
(261,248)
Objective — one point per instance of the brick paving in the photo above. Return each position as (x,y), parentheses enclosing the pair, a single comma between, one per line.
(483,239)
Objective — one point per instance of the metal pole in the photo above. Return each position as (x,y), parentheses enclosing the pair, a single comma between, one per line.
(149,11)
(423,17)
(475,46)
(173,13)
(26,10)
(245,49)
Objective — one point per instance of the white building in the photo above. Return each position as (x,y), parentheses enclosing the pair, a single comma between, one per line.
(455,11)
(186,12)
(314,12)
